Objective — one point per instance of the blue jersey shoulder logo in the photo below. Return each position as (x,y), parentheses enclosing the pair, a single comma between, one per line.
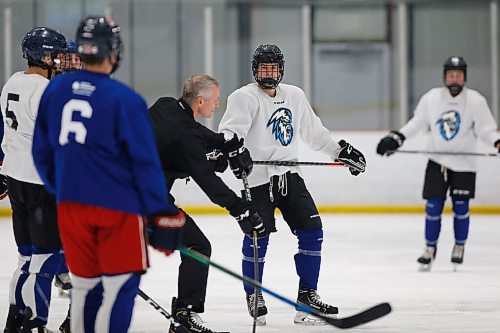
(449,124)
(281,125)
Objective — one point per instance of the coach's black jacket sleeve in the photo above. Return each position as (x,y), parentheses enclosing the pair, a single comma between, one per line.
(182,145)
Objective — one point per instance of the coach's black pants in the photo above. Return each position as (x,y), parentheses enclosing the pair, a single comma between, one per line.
(193,275)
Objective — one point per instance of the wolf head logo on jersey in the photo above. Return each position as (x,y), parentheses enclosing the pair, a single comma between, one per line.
(449,124)
(281,122)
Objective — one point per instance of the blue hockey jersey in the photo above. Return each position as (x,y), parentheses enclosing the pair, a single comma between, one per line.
(93,144)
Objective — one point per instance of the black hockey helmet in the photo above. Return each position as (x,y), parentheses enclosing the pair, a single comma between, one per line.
(265,54)
(40,41)
(97,37)
(455,63)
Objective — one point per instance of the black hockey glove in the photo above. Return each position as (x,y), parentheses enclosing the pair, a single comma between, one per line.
(352,157)
(165,231)
(3,187)
(218,160)
(249,220)
(497,145)
(390,143)
(239,157)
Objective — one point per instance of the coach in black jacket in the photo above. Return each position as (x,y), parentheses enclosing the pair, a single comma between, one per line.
(183,144)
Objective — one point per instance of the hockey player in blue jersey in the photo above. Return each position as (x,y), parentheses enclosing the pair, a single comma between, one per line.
(94,149)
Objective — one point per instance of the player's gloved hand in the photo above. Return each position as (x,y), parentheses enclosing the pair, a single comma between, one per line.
(164,231)
(249,220)
(497,145)
(3,185)
(239,157)
(390,143)
(219,161)
(352,157)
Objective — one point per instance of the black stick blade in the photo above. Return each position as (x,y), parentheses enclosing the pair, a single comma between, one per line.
(366,316)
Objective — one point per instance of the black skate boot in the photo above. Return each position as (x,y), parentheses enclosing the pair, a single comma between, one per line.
(66,324)
(190,321)
(14,320)
(261,307)
(33,325)
(310,298)
(427,258)
(457,255)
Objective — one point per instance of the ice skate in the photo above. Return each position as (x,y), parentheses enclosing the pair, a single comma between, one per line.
(427,258)
(63,283)
(14,320)
(457,256)
(310,298)
(261,308)
(33,325)
(191,322)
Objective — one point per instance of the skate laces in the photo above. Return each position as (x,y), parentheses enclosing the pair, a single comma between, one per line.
(458,251)
(260,301)
(316,299)
(429,252)
(196,321)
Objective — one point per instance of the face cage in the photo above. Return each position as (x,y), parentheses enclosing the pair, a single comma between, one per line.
(268,82)
(70,62)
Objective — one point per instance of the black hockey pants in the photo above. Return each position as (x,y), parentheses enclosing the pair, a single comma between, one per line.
(193,275)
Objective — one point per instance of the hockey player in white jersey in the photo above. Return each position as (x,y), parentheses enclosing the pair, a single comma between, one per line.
(33,208)
(271,116)
(457,117)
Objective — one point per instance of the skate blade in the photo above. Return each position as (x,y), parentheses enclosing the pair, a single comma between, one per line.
(425,267)
(302,318)
(455,266)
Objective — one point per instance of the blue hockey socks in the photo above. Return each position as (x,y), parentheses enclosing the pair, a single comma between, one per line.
(247,263)
(433,211)
(36,292)
(308,258)
(460,219)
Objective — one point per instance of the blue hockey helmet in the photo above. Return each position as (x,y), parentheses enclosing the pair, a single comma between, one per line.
(98,37)
(40,41)
(72,46)
(268,53)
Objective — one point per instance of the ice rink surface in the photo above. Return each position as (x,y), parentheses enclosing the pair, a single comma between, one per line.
(367,259)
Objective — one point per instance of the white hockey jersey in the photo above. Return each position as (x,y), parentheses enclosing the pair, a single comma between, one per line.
(19,104)
(271,127)
(455,124)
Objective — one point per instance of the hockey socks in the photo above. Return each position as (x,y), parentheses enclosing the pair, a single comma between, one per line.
(460,219)
(36,291)
(433,211)
(308,258)
(248,260)
(103,304)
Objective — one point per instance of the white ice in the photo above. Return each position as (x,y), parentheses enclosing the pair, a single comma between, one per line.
(367,259)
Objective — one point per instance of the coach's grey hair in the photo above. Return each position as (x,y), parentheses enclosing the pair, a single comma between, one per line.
(198,85)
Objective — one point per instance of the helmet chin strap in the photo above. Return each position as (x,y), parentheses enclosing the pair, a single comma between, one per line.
(455,89)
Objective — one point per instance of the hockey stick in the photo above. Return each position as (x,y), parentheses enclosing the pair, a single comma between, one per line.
(365,316)
(443,153)
(298,163)
(162,311)
(248,197)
